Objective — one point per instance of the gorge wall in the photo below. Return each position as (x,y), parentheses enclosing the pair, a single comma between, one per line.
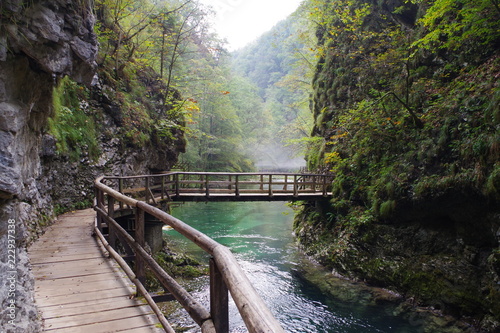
(41,42)
(407,118)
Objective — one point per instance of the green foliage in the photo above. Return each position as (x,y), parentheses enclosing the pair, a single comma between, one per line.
(279,66)
(387,208)
(59,210)
(151,52)
(406,128)
(72,125)
(146,51)
(493,183)
(453,24)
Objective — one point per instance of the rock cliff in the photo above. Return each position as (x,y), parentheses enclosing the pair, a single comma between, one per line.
(407,119)
(41,42)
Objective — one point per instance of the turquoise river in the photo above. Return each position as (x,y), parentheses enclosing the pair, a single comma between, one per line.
(303,296)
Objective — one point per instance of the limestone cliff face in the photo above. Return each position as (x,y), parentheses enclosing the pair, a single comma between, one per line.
(39,42)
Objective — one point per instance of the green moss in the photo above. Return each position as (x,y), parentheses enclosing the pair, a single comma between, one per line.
(493,183)
(387,208)
(72,126)
(179,266)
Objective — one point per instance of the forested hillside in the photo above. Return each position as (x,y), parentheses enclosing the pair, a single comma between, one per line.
(407,117)
(280,66)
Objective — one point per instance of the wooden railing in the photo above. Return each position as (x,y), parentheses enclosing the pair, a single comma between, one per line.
(225,273)
(185,186)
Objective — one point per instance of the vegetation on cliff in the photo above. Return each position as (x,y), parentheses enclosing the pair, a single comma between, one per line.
(407,117)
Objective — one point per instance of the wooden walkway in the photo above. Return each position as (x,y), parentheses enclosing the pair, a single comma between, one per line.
(78,289)
(220,186)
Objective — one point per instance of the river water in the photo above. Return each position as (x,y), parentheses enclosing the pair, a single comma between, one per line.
(302,296)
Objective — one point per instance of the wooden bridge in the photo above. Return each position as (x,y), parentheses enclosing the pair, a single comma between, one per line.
(218,186)
(62,261)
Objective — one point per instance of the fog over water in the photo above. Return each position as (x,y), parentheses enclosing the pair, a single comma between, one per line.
(275,157)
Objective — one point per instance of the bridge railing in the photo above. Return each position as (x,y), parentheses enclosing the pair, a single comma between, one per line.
(225,273)
(182,184)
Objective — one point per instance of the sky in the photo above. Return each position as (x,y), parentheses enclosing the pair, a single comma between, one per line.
(243,21)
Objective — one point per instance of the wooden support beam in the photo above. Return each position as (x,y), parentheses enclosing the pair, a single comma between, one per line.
(139,237)
(111,213)
(219,298)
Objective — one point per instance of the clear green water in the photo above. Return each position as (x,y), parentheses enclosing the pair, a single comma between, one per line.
(302,296)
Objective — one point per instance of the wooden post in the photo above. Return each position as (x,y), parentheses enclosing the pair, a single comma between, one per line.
(270,185)
(285,187)
(120,189)
(176,180)
(99,203)
(147,189)
(261,183)
(237,185)
(139,237)
(295,186)
(207,188)
(314,184)
(230,183)
(111,213)
(324,185)
(219,297)
(162,187)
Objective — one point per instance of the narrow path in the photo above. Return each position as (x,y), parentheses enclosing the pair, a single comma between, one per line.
(77,288)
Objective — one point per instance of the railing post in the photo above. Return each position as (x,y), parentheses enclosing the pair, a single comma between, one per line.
(295,186)
(99,196)
(207,189)
(147,189)
(230,183)
(176,185)
(237,185)
(314,184)
(219,297)
(162,187)
(261,183)
(139,237)
(270,185)
(324,185)
(285,187)
(120,189)
(111,213)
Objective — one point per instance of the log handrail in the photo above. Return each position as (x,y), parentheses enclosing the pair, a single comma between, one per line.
(253,310)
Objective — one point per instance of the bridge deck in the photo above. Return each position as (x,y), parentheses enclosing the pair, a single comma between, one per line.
(78,289)
(264,196)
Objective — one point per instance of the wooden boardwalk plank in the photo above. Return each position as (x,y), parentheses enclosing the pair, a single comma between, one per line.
(48,289)
(90,307)
(116,325)
(78,289)
(101,316)
(76,281)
